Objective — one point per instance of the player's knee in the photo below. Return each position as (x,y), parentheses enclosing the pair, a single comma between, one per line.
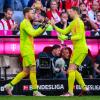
(33,69)
(72,67)
(26,72)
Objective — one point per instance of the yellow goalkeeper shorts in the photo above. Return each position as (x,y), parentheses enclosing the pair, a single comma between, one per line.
(29,60)
(77,58)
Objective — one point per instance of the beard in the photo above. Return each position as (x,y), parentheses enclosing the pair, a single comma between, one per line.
(8,18)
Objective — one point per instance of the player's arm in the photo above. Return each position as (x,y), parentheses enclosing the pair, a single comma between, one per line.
(31,31)
(79,31)
(63,31)
(59,30)
(76,37)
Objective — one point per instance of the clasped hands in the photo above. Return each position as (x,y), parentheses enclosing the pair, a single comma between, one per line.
(46,23)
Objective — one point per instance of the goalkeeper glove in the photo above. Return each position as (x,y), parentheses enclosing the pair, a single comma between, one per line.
(44,24)
(64,37)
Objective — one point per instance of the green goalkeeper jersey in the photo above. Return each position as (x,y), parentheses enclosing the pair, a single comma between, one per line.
(77,29)
(27,34)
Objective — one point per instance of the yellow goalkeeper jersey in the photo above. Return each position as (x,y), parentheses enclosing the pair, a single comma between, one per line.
(27,34)
(77,29)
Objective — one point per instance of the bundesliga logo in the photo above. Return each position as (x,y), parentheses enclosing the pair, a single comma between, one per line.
(45,87)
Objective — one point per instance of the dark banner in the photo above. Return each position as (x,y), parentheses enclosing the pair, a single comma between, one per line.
(51,87)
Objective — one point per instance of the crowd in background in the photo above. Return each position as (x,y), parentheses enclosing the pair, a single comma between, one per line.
(57,9)
(11,15)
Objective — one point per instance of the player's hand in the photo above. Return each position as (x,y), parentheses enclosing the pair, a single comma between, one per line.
(52,22)
(44,24)
(62,37)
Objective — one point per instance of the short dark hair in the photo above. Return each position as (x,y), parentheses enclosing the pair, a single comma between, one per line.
(26,10)
(7,9)
(63,13)
(76,9)
(56,46)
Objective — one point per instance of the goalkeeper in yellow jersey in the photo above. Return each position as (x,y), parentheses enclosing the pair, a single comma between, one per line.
(27,33)
(80,49)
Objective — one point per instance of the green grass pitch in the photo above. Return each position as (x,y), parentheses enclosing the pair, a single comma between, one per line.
(49,98)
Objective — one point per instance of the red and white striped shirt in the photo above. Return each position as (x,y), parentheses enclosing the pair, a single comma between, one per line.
(71,3)
(89,3)
(6,24)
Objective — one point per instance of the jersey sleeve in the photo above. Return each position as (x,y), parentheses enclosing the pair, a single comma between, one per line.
(79,26)
(63,31)
(31,31)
